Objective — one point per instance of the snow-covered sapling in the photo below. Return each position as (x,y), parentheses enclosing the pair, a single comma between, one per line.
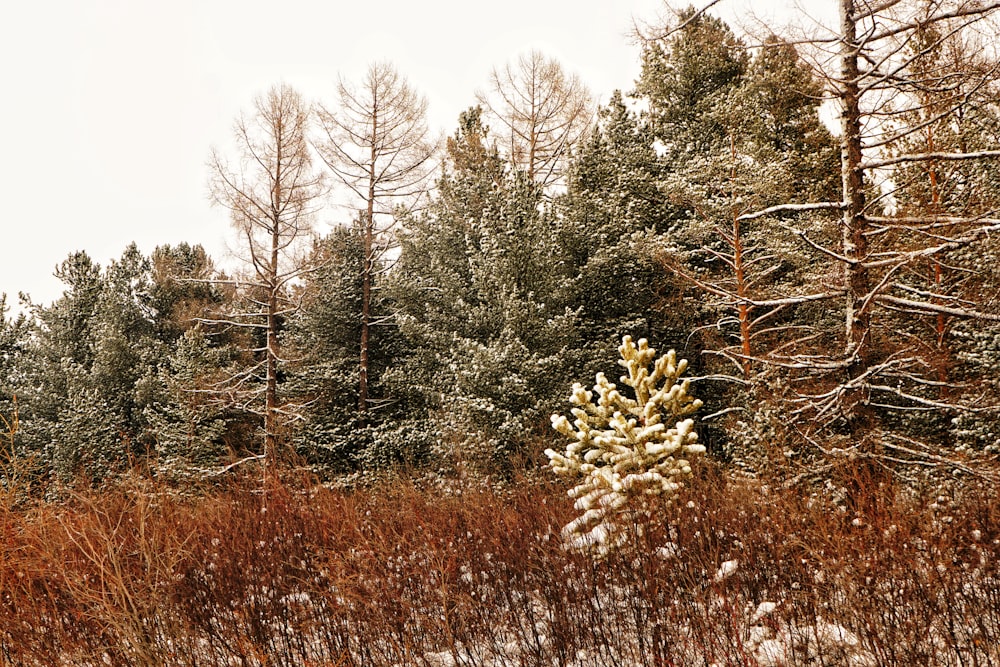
(622,452)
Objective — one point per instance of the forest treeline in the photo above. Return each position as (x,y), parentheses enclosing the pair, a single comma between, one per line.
(835,286)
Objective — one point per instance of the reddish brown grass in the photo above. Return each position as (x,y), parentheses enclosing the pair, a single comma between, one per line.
(400,575)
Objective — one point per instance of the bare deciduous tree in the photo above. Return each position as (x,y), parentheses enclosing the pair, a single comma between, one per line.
(543,113)
(271,192)
(882,67)
(378,144)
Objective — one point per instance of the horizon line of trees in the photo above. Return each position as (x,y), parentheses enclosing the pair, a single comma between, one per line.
(837,293)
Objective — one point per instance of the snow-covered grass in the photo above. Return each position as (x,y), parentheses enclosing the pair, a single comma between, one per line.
(733,573)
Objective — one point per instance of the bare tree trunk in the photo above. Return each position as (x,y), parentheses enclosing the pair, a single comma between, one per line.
(271,377)
(739,268)
(368,266)
(855,244)
(271,195)
(743,293)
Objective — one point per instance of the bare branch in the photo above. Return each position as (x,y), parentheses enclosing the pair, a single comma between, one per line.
(932,308)
(792,208)
(926,157)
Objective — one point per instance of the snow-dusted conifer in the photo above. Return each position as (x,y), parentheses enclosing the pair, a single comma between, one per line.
(622,449)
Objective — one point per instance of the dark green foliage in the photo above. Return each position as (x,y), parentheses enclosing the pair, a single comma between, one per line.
(502,294)
(13,340)
(186,418)
(773,118)
(182,288)
(326,335)
(737,134)
(115,371)
(89,349)
(480,296)
(325,338)
(607,225)
(686,78)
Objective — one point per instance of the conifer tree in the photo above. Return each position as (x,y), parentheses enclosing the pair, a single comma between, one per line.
(478,291)
(271,193)
(540,113)
(326,338)
(624,447)
(183,288)
(778,152)
(187,423)
(13,340)
(859,384)
(685,77)
(191,424)
(734,134)
(13,343)
(607,225)
(83,412)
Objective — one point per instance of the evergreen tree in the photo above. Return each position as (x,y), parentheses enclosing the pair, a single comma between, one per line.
(325,337)
(625,448)
(685,78)
(737,135)
(13,340)
(772,149)
(190,429)
(479,295)
(190,425)
(185,289)
(82,411)
(13,343)
(606,226)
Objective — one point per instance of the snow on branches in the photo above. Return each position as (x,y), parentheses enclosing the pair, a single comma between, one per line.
(622,449)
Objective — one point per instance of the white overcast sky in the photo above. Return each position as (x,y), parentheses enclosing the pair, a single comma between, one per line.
(110,107)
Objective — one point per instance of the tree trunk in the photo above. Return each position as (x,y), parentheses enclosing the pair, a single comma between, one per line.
(367,270)
(854,241)
(855,245)
(271,380)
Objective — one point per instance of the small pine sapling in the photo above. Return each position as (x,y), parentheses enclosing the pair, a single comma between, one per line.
(621,448)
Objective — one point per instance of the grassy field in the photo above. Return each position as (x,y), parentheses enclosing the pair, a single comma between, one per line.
(409,573)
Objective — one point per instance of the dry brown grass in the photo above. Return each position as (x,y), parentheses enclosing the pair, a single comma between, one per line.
(400,575)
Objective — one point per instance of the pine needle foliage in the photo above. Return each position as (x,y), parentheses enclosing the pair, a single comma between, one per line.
(623,450)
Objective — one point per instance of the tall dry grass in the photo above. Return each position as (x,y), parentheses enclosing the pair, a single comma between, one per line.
(403,575)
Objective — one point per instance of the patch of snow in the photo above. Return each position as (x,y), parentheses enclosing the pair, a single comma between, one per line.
(763,609)
(726,570)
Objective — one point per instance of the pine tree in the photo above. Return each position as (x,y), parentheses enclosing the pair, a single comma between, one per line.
(184,289)
(755,141)
(478,291)
(188,426)
(606,226)
(82,412)
(13,344)
(856,385)
(623,447)
(685,78)
(13,341)
(325,339)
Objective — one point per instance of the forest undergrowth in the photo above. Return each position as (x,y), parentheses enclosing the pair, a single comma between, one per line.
(409,572)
